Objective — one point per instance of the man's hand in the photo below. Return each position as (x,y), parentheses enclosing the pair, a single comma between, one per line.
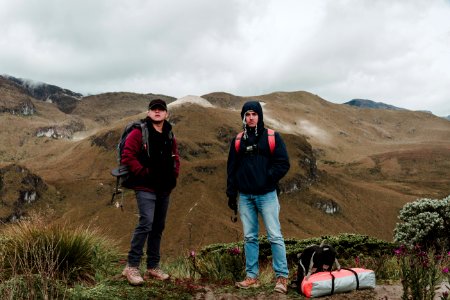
(232,203)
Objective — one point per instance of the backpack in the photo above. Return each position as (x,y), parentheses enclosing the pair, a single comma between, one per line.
(315,258)
(122,172)
(129,128)
(270,138)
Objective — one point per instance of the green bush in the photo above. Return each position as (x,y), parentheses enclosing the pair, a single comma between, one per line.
(348,246)
(370,251)
(425,222)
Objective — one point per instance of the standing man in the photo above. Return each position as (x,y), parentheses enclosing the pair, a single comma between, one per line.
(253,175)
(154,172)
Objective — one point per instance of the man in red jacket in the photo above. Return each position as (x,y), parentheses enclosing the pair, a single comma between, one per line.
(154,172)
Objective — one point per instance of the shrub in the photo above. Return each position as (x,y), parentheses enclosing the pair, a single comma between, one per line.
(421,272)
(425,222)
(348,246)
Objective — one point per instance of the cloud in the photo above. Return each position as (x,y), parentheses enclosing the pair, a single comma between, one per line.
(389,51)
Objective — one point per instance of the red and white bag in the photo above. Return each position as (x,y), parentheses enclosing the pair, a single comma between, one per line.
(344,280)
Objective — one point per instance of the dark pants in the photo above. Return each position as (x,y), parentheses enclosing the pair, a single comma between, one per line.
(152,218)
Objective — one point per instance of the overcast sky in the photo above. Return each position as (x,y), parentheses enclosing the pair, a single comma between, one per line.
(393,51)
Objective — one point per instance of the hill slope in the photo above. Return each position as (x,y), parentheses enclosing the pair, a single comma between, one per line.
(350,169)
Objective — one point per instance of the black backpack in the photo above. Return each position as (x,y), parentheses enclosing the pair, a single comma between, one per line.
(315,258)
(130,127)
(122,172)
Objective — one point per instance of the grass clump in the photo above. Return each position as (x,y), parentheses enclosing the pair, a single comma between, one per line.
(41,259)
(226,265)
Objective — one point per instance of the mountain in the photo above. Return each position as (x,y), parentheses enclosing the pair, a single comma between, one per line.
(65,99)
(351,169)
(363,103)
(14,98)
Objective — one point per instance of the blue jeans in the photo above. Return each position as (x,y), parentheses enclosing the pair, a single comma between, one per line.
(269,208)
(152,218)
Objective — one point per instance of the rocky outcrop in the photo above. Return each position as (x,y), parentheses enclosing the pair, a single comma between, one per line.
(327,206)
(24,107)
(60,131)
(19,189)
(107,140)
(303,172)
(295,183)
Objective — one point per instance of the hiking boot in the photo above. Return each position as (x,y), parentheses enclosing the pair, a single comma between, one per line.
(157,274)
(248,283)
(133,275)
(281,285)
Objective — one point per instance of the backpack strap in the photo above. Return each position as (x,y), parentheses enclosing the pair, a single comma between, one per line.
(237,141)
(270,138)
(145,142)
(356,276)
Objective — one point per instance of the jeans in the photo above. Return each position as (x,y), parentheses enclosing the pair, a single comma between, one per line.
(152,218)
(269,208)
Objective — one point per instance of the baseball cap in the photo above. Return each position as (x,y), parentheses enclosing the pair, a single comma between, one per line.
(157,102)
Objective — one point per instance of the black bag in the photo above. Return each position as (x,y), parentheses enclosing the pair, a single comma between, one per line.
(122,172)
(315,258)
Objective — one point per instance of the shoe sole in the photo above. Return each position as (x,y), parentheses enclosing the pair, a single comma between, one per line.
(280,291)
(131,283)
(247,287)
(147,277)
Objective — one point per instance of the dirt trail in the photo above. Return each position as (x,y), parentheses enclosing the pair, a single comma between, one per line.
(381,292)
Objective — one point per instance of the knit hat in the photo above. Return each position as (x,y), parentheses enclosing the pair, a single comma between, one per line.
(157,103)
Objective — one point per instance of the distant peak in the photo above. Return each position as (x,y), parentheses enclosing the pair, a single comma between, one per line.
(364,103)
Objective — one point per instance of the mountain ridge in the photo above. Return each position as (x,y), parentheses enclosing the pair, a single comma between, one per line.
(347,164)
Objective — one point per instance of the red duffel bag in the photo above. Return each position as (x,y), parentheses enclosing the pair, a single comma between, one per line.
(340,281)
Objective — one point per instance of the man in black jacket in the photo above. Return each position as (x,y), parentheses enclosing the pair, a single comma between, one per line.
(153,176)
(253,175)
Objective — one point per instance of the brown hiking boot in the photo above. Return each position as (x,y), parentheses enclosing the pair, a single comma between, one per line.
(248,283)
(281,285)
(133,275)
(157,273)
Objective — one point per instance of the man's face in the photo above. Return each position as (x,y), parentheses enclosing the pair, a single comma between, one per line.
(251,118)
(157,114)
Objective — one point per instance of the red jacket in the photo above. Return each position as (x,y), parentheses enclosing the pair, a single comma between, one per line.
(160,171)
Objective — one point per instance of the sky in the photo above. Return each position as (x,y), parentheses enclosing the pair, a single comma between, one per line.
(393,51)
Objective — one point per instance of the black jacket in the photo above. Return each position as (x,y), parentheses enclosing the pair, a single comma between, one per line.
(254,170)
